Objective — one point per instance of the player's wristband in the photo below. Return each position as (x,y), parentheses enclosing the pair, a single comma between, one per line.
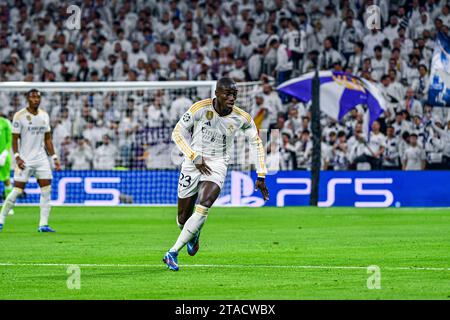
(54,157)
(16,155)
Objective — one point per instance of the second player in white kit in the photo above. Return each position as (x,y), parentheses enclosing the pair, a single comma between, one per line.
(32,144)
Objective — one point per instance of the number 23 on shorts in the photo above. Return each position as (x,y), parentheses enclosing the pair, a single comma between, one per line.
(185,180)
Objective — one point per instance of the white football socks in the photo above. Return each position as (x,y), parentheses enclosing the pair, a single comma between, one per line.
(45,205)
(9,203)
(192,226)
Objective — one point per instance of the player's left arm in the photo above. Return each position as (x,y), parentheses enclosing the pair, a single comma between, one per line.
(49,146)
(250,131)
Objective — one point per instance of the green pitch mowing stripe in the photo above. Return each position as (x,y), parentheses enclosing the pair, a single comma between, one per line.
(245,253)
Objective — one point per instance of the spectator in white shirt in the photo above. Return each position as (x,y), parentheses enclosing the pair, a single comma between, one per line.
(374,148)
(284,65)
(329,56)
(401,123)
(330,22)
(340,153)
(136,54)
(157,115)
(411,104)
(414,157)
(445,14)
(238,72)
(105,155)
(228,39)
(95,63)
(81,157)
(373,39)
(348,37)
(434,148)
(287,153)
(445,137)
(423,24)
(391,31)
(391,159)
(355,61)
(316,38)
(273,102)
(93,134)
(295,39)
(178,107)
(379,64)
(254,64)
(245,47)
(303,150)
(421,85)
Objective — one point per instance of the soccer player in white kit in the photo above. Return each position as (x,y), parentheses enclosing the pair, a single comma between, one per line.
(214,123)
(31,126)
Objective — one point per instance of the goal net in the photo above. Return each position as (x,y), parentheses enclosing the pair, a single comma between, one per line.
(114,139)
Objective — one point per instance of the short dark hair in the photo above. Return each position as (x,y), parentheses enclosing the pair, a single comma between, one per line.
(33,90)
(273,41)
(244,36)
(424,66)
(226,83)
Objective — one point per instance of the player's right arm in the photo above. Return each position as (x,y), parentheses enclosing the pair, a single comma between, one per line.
(15,148)
(181,129)
(16,128)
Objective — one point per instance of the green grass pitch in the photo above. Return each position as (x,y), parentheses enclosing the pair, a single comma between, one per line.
(245,253)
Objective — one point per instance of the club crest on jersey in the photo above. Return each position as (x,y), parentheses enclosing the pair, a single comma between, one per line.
(29,118)
(209,115)
(230,129)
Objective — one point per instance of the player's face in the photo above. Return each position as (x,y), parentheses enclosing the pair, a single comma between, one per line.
(34,99)
(227,96)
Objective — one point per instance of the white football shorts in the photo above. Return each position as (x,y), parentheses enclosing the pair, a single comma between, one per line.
(40,170)
(190,176)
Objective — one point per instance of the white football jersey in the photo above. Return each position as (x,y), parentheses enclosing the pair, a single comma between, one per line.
(414,157)
(295,40)
(376,141)
(213,135)
(31,129)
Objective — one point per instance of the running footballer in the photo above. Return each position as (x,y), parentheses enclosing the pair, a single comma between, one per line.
(214,124)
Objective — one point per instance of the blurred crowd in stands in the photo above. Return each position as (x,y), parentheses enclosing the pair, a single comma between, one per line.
(269,41)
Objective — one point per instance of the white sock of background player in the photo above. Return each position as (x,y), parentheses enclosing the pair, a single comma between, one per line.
(9,203)
(192,226)
(45,205)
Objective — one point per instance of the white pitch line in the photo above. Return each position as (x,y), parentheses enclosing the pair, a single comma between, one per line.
(93,265)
